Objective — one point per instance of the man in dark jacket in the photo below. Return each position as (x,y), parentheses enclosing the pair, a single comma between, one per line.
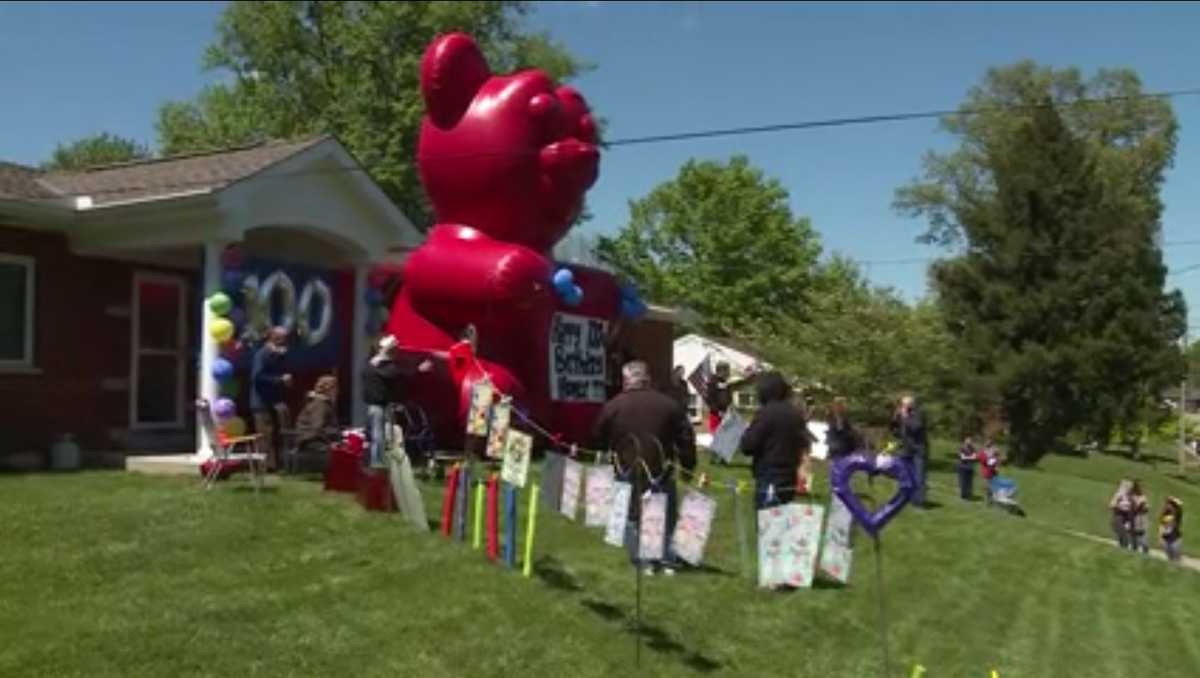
(383,382)
(774,441)
(908,426)
(651,434)
(268,393)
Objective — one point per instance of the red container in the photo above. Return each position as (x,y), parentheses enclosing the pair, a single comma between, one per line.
(375,491)
(343,473)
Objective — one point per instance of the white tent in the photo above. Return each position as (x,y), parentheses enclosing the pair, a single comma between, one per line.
(691,349)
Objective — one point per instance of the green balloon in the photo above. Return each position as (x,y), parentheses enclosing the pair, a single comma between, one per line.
(219,304)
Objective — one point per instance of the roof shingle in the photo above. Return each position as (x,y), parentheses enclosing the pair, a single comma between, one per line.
(18,182)
(161,177)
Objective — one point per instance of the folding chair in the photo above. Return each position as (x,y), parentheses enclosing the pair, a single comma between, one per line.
(224,449)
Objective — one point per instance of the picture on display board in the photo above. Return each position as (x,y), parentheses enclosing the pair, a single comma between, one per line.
(598,497)
(618,516)
(516,458)
(578,353)
(571,486)
(501,418)
(728,435)
(788,539)
(836,553)
(696,514)
(652,530)
(481,403)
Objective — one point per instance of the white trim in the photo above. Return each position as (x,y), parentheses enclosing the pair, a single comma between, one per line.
(84,203)
(27,360)
(136,351)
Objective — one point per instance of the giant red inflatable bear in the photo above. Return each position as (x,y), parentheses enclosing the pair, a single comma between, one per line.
(506,161)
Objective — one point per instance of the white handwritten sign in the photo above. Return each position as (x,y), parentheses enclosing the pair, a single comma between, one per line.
(577,356)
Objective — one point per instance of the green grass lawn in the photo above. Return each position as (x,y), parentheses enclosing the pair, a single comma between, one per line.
(112,574)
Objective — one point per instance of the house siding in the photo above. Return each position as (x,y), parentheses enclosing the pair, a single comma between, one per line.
(81,349)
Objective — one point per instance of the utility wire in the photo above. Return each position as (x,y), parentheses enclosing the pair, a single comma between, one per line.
(618,143)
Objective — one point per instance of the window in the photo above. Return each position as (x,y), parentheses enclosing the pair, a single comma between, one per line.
(16,311)
(745,399)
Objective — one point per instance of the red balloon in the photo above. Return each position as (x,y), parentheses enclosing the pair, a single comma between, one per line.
(506,161)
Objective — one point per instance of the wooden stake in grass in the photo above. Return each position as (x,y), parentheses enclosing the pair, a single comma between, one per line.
(883,626)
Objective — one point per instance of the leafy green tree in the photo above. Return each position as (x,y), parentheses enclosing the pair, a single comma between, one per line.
(95,150)
(720,240)
(346,68)
(1058,297)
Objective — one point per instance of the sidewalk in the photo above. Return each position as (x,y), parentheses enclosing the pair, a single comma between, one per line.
(1187,561)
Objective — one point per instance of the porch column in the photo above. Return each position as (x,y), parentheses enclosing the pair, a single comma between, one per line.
(358,408)
(206,385)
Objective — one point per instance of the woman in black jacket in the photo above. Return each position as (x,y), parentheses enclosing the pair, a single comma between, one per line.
(775,440)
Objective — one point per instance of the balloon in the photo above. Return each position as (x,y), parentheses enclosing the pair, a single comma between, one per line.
(372,296)
(232,257)
(220,329)
(574,297)
(222,369)
(378,279)
(237,316)
(225,408)
(563,277)
(230,388)
(230,350)
(316,289)
(234,427)
(839,478)
(219,304)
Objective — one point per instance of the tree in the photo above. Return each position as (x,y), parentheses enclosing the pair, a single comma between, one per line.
(720,240)
(1058,297)
(346,68)
(1129,136)
(95,150)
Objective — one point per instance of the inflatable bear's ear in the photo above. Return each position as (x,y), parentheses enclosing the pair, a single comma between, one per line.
(452,71)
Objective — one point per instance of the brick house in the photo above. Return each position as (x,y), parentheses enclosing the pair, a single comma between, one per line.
(103,273)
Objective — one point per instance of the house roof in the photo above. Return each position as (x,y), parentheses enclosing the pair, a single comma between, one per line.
(18,182)
(170,176)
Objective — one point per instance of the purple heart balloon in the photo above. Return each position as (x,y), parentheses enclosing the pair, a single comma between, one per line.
(839,477)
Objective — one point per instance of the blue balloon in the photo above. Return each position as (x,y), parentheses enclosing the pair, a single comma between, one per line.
(373,297)
(573,297)
(222,369)
(231,282)
(237,316)
(563,277)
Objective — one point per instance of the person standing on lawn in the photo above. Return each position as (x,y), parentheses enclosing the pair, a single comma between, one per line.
(775,441)
(651,434)
(989,467)
(384,382)
(268,393)
(967,458)
(1139,510)
(1170,529)
(1121,508)
(678,388)
(908,425)
(840,437)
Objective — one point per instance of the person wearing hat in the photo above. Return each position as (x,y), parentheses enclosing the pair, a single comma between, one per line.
(1170,529)
(383,387)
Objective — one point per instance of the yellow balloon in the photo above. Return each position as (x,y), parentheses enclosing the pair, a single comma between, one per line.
(234,427)
(220,329)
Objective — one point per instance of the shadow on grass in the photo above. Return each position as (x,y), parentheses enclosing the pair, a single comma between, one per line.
(551,571)
(655,638)
(248,488)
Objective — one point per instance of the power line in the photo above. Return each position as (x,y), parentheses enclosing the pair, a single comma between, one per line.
(660,138)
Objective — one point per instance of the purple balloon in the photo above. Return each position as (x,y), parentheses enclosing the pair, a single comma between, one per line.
(225,409)
(222,369)
(237,316)
(839,478)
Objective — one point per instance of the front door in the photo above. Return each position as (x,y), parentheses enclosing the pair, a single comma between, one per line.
(158,351)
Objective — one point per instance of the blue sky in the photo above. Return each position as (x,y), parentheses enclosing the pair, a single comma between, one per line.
(70,69)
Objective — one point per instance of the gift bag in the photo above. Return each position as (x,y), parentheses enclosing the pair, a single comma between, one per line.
(598,496)
(788,539)
(695,522)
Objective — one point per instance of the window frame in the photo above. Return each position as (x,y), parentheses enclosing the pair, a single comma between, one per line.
(27,360)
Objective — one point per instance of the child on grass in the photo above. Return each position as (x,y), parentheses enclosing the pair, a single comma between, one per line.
(1170,529)
(989,464)
(966,468)
(1139,510)
(1122,513)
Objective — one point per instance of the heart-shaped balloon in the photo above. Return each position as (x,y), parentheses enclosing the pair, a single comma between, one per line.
(839,478)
